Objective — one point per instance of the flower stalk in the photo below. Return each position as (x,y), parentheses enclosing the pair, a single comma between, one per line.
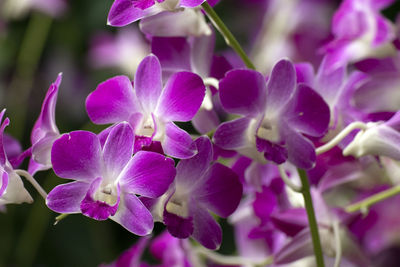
(226,33)
(319,258)
(363,205)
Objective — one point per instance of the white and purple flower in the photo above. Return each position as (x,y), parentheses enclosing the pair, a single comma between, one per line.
(200,187)
(149,108)
(108,178)
(275,115)
(12,189)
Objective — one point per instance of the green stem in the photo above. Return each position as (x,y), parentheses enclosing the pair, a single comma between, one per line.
(26,65)
(226,33)
(311,218)
(363,205)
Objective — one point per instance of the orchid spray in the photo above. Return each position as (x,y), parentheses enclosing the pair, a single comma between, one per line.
(283,152)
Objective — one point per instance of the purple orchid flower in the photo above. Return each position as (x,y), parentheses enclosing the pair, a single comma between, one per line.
(12,189)
(200,186)
(360,31)
(14,9)
(108,177)
(45,131)
(149,108)
(124,12)
(125,50)
(274,116)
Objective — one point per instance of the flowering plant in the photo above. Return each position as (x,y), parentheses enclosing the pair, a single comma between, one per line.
(285,153)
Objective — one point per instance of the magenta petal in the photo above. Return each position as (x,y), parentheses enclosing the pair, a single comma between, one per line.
(308,112)
(243,92)
(118,148)
(173,53)
(148,174)
(178,143)
(281,85)
(67,198)
(134,216)
(190,170)
(221,190)
(96,209)
(301,151)
(148,82)
(112,101)
(291,222)
(206,230)
(177,226)
(6,122)
(191,3)
(232,134)
(46,121)
(273,152)
(124,12)
(77,155)
(181,97)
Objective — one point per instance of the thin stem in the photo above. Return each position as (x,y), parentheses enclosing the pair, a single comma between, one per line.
(311,218)
(338,243)
(32,180)
(226,33)
(363,205)
(231,260)
(288,182)
(340,136)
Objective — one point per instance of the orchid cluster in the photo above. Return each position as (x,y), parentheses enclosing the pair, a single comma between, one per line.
(299,152)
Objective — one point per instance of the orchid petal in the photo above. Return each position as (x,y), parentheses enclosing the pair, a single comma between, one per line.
(232,134)
(124,12)
(67,198)
(46,122)
(301,151)
(206,230)
(221,190)
(178,143)
(97,209)
(281,86)
(118,149)
(77,155)
(178,226)
(181,97)
(190,170)
(148,174)
(134,216)
(308,112)
(112,101)
(243,92)
(173,53)
(148,82)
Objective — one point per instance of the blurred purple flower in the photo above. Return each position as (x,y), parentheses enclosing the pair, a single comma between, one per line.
(125,50)
(359,31)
